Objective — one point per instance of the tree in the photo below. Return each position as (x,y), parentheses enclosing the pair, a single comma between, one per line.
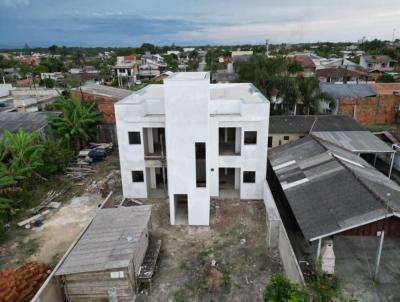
(76,123)
(385,78)
(311,95)
(56,156)
(172,61)
(281,289)
(53,49)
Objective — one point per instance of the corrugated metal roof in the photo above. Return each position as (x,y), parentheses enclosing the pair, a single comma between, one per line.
(303,123)
(28,121)
(355,141)
(97,89)
(330,189)
(110,241)
(352,91)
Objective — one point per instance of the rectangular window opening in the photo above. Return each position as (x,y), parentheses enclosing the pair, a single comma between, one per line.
(134,138)
(137,176)
(249,176)
(286,137)
(250,137)
(200,152)
(269,141)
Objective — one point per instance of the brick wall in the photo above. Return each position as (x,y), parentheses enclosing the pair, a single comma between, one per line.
(105,104)
(377,110)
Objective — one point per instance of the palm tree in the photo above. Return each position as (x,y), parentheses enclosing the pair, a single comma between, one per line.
(311,95)
(76,123)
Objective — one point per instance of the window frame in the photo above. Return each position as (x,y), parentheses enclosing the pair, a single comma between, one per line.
(134,137)
(249,132)
(141,176)
(246,175)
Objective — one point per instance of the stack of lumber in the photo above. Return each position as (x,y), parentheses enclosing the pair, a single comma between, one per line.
(20,285)
(78,171)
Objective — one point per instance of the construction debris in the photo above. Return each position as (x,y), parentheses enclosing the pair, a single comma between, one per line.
(48,201)
(104,185)
(20,285)
(27,222)
(81,167)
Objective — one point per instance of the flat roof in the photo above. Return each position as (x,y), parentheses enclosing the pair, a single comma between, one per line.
(330,189)
(189,76)
(245,92)
(110,241)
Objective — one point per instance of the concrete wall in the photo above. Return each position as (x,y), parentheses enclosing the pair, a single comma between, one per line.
(277,237)
(189,116)
(377,110)
(187,122)
(279,138)
(105,104)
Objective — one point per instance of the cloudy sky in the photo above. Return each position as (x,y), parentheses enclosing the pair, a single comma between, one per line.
(193,22)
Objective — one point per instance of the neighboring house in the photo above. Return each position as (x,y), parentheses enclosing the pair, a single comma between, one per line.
(307,63)
(371,104)
(109,254)
(52,75)
(154,60)
(284,129)
(104,96)
(328,195)
(192,140)
(127,67)
(341,75)
(379,63)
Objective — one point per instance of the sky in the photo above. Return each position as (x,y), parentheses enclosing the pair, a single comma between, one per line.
(193,22)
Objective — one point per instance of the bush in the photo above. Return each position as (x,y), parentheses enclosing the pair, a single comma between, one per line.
(281,289)
(385,78)
(56,156)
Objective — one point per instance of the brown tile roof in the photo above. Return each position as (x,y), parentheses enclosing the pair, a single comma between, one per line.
(386,88)
(305,61)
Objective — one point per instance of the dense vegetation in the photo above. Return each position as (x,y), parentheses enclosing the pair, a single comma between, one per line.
(281,79)
(30,159)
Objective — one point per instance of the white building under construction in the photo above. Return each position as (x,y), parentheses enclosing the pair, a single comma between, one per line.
(192,140)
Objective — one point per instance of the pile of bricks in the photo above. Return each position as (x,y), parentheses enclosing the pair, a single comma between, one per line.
(20,285)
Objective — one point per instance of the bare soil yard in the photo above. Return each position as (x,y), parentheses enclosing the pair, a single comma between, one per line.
(235,242)
(49,242)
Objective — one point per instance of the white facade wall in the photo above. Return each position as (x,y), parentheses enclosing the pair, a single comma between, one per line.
(192,110)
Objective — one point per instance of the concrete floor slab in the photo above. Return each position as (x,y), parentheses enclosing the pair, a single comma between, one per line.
(355,264)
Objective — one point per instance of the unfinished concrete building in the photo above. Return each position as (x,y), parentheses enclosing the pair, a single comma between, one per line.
(192,140)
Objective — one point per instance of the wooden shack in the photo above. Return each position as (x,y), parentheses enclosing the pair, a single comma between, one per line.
(105,262)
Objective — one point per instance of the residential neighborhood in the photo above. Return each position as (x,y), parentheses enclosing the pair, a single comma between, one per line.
(165,153)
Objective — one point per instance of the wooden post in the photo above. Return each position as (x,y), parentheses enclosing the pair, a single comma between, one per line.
(319,249)
(378,256)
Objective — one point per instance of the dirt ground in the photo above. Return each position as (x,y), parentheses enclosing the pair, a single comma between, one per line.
(49,242)
(235,241)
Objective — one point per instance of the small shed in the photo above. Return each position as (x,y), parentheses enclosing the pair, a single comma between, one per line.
(106,260)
